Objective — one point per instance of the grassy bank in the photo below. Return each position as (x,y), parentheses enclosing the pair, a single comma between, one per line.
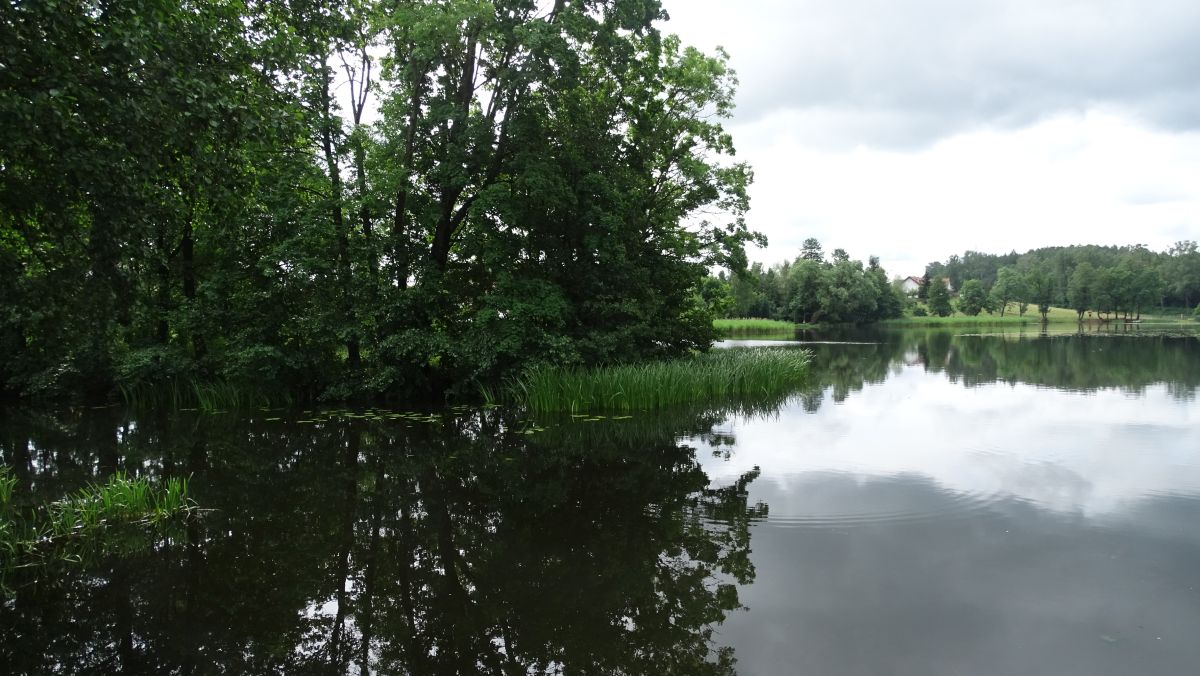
(753,325)
(1012,317)
(965,320)
(718,376)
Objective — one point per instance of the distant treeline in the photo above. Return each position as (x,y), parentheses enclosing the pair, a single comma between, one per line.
(1106,280)
(808,290)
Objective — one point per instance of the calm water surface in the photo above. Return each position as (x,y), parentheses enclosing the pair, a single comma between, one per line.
(932,503)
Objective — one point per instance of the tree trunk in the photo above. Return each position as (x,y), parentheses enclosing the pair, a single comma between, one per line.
(162,330)
(339,223)
(187,255)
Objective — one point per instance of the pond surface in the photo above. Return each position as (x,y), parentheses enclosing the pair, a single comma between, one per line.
(931,503)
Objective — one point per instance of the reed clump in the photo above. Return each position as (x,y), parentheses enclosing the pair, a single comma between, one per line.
(752,325)
(713,377)
(56,530)
(210,396)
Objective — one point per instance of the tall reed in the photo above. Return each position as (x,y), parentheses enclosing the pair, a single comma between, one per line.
(717,376)
(752,325)
(215,395)
(56,530)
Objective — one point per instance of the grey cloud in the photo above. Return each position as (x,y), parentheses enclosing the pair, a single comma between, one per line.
(902,74)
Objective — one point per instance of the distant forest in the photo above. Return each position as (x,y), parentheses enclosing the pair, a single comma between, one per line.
(1104,280)
(1087,278)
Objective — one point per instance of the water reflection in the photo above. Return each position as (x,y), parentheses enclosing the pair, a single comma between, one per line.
(938,504)
(459,546)
(1074,424)
(1081,362)
(950,504)
(1013,589)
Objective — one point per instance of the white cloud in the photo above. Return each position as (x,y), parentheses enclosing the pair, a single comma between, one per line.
(1095,178)
(914,130)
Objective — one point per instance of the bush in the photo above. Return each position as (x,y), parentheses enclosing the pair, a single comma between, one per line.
(919,311)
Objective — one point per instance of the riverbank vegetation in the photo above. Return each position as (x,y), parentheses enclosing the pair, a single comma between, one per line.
(229,210)
(748,325)
(714,377)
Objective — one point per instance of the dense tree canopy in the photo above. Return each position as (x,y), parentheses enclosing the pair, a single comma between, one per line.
(200,190)
(810,290)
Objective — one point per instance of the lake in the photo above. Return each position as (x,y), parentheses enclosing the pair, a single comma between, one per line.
(932,502)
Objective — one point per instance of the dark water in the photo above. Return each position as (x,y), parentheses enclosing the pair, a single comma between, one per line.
(931,504)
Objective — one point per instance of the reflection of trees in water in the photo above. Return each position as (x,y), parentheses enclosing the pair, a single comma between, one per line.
(459,548)
(1084,362)
(1079,363)
(841,370)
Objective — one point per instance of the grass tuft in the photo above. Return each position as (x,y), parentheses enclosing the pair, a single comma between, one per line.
(56,531)
(717,376)
(753,325)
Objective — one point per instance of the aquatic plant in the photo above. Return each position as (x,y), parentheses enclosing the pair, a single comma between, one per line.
(58,530)
(717,376)
(752,325)
(218,395)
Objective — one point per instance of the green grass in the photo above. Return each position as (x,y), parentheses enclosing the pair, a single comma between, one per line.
(206,396)
(57,530)
(753,325)
(1011,318)
(713,377)
(120,500)
(1056,315)
(964,320)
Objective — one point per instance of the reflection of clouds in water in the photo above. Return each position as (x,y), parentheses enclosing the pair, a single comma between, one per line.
(1093,453)
(1012,590)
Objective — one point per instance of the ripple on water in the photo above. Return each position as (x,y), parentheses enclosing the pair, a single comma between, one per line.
(840,500)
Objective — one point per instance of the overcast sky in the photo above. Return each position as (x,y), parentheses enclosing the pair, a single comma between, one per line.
(915,129)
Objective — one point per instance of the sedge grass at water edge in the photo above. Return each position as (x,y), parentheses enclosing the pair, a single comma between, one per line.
(60,530)
(753,325)
(717,376)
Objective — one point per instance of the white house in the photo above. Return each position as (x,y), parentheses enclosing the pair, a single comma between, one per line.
(910,285)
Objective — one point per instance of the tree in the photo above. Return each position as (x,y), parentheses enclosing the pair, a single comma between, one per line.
(1009,286)
(1081,287)
(811,250)
(182,198)
(1182,271)
(1041,290)
(939,298)
(889,303)
(806,287)
(1147,288)
(972,298)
